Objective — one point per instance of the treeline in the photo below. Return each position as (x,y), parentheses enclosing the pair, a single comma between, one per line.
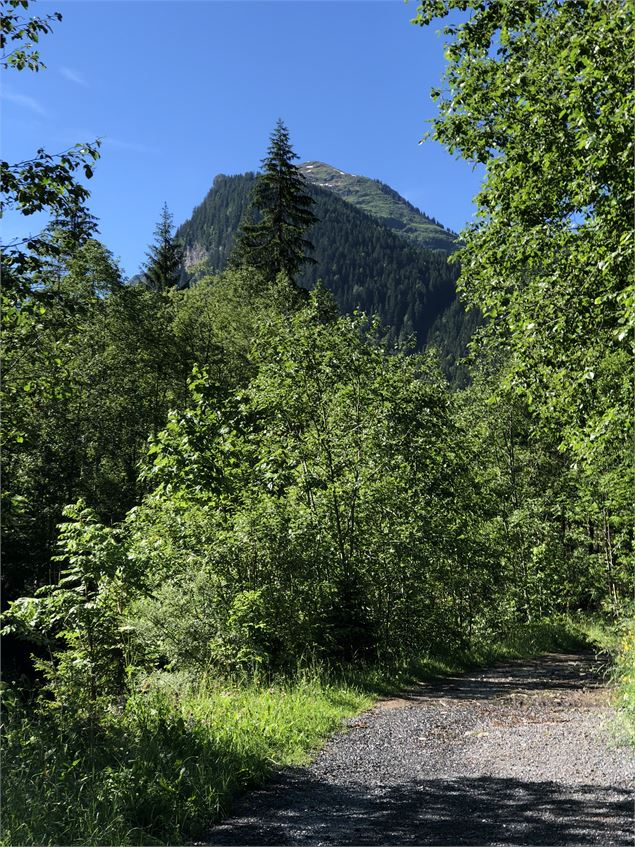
(306,492)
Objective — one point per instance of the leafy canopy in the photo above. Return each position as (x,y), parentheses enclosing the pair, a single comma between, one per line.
(541,94)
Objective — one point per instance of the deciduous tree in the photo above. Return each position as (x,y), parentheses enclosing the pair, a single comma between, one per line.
(541,93)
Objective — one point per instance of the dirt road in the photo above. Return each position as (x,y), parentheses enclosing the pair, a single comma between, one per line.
(515,755)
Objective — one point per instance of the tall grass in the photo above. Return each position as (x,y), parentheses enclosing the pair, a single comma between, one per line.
(162,766)
(616,642)
(161,769)
(624,675)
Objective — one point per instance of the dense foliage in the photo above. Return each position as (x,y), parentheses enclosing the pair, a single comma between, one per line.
(294,493)
(541,94)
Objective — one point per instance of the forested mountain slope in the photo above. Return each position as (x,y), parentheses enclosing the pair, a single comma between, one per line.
(363,262)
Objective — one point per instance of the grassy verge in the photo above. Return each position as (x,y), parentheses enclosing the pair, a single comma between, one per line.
(163,766)
(625,678)
(619,643)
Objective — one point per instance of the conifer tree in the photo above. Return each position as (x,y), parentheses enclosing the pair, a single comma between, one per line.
(164,267)
(272,236)
(68,231)
(59,241)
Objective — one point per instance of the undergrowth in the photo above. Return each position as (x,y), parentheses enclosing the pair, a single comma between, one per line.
(616,644)
(622,648)
(160,767)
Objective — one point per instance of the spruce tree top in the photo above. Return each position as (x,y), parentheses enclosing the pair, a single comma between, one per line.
(272,236)
(165,257)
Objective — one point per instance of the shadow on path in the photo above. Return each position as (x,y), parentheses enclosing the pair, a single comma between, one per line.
(480,810)
(554,673)
(393,783)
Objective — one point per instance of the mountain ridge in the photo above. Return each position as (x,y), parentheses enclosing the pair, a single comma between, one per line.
(383,202)
(365,263)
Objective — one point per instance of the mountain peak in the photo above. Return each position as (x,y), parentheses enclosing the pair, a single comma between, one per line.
(321,170)
(382,202)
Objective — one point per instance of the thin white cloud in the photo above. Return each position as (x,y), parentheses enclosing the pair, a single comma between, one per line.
(24,101)
(73,76)
(130,146)
(72,135)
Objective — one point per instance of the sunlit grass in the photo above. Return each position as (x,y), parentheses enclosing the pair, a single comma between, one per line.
(624,678)
(165,767)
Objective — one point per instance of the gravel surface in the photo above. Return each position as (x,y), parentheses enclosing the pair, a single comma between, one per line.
(515,755)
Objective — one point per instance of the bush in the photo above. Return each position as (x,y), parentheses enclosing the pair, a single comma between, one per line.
(326,510)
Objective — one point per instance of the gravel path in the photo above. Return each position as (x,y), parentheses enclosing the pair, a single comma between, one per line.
(513,755)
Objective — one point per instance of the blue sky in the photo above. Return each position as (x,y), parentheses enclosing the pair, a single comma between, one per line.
(181,91)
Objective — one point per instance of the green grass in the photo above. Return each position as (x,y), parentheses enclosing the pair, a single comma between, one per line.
(381,201)
(616,642)
(163,766)
(619,642)
(162,769)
